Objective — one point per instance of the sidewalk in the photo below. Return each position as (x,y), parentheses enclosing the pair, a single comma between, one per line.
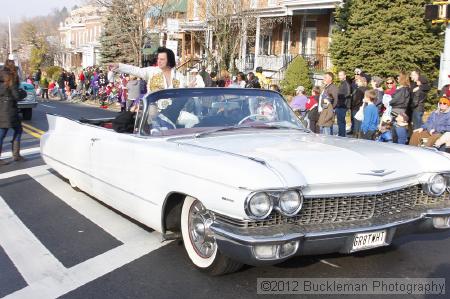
(113,107)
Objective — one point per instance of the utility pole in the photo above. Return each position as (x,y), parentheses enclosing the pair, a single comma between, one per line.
(439,12)
(444,71)
(10,36)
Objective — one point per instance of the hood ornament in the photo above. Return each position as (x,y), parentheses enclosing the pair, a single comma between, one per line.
(377,172)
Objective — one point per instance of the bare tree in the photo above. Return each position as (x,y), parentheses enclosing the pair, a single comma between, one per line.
(232,23)
(132,17)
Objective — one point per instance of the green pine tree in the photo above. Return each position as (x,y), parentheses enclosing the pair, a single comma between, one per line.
(297,74)
(385,37)
(114,45)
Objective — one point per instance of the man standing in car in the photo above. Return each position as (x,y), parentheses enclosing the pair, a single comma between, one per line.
(163,76)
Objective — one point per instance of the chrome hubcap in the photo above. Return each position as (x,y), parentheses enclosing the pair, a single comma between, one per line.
(200,234)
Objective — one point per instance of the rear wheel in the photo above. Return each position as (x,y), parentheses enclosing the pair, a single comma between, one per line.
(27,113)
(199,240)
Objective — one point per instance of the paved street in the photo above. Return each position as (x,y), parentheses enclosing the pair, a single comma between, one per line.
(59,242)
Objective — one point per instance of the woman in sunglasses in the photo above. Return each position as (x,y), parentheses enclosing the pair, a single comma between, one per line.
(437,124)
(390,86)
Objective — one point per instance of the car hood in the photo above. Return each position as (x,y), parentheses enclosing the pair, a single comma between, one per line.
(312,159)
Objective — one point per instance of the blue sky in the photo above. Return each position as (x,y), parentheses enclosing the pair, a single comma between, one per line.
(19,9)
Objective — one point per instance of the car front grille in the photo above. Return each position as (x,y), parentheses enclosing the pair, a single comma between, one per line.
(347,209)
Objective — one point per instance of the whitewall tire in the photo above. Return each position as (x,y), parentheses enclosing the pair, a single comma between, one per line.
(199,241)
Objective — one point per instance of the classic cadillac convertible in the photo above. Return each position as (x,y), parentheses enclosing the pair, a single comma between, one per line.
(235,175)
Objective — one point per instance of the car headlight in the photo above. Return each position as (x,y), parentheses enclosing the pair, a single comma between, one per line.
(259,205)
(436,185)
(290,202)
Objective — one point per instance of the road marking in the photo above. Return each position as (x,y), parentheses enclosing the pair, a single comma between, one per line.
(30,257)
(28,126)
(57,281)
(29,132)
(47,106)
(23,152)
(330,264)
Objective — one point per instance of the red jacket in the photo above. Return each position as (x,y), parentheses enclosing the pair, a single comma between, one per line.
(311,102)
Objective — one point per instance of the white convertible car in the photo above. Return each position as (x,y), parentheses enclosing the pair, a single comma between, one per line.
(235,175)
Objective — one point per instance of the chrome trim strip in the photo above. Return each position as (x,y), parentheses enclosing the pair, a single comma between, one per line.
(257,160)
(349,231)
(100,180)
(377,173)
(248,239)
(277,236)
(440,212)
(360,193)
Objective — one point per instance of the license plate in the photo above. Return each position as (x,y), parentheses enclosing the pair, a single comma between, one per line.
(369,240)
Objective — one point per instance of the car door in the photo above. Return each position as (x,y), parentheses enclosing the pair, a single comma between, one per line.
(113,168)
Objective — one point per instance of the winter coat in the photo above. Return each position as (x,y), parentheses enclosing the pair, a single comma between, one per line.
(418,98)
(344,95)
(357,98)
(61,80)
(254,83)
(371,119)
(379,100)
(438,121)
(326,117)
(400,99)
(9,113)
(330,92)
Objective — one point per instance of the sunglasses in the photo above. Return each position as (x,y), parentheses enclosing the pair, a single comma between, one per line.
(443,103)
(389,82)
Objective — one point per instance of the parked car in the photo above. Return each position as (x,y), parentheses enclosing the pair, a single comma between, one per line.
(26,105)
(235,175)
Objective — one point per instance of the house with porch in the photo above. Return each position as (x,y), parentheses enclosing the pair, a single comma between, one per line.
(284,30)
(278,31)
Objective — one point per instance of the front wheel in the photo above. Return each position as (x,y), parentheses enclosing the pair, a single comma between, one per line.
(199,240)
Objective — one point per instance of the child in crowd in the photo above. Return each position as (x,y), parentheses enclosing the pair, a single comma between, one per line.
(384,133)
(51,88)
(371,119)
(326,118)
(401,128)
(313,109)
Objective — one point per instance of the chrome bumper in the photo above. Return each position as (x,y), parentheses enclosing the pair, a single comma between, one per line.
(25,105)
(239,243)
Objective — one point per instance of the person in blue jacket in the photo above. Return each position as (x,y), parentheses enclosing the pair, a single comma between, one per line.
(371,118)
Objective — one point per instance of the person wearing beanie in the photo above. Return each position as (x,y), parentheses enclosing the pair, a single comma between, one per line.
(437,124)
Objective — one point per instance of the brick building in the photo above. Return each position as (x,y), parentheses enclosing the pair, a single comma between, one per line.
(80,34)
(284,29)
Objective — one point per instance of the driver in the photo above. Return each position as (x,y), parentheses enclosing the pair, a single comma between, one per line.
(267,110)
(158,121)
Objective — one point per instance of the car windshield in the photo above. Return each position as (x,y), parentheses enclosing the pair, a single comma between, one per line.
(187,111)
